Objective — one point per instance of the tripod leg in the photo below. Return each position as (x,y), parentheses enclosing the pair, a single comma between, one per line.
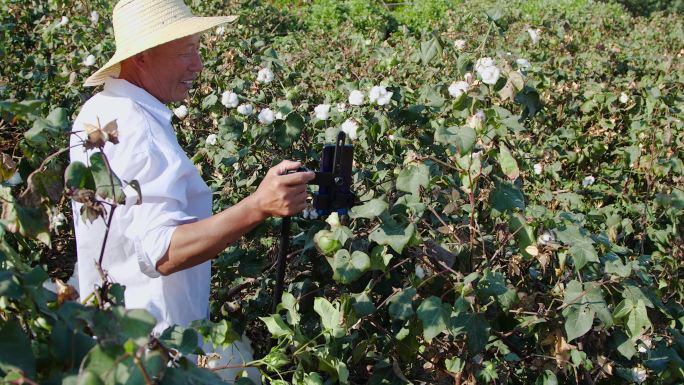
(282,256)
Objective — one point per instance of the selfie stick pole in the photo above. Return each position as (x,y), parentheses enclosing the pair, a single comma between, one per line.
(280,265)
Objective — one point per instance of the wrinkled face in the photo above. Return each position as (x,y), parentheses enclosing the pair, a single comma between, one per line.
(171,68)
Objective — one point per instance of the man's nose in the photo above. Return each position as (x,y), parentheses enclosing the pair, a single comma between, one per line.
(196,65)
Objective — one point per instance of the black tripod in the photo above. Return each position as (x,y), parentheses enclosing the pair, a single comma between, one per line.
(334,195)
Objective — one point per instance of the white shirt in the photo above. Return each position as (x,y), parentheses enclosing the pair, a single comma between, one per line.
(173,193)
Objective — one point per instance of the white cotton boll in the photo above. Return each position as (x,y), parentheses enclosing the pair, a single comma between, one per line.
(460,44)
(523,64)
(385,98)
(456,89)
(220,30)
(349,127)
(420,272)
(265,76)
(534,35)
(490,75)
(229,99)
(89,60)
(266,116)
(356,98)
(624,98)
(322,111)
(483,63)
(375,92)
(245,109)
(588,181)
(639,375)
(94,17)
(538,169)
(57,220)
(212,139)
(279,116)
(64,21)
(469,78)
(181,112)
(341,107)
(545,238)
(14,180)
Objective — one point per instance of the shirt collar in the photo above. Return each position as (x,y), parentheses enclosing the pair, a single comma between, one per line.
(121,87)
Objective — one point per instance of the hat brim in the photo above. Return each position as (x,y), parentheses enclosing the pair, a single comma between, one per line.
(182,28)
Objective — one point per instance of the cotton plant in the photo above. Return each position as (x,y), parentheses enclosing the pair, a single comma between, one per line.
(245,109)
(181,111)
(458,88)
(349,127)
(341,107)
(229,99)
(356,98)
(89,61)
(266,116)
(94,17)
(380,95)
(211,140)
(487,70)
(265,75)
(322,111)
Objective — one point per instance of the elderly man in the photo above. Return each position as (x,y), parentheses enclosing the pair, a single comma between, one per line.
(161,249)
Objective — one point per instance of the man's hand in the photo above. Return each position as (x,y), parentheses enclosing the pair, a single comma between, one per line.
(282,194)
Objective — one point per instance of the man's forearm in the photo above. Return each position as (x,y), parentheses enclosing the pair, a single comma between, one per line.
(197,242)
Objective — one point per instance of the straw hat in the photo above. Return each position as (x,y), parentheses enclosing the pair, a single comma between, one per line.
(142,24)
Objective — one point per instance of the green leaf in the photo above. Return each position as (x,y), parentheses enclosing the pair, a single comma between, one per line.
(348,268)
(412,177)
(77,175)
(103,181)
(209,101)
(289,303)
(393,234)
(505,198)
(363,305)
(530,100)
(463,138)
(524,234)
(547,378)
(15,349)
(429,49)
(637,320)
(380,258)
(9,286)
(180,338)
(581,245)
(434,315)
(370,209)
(454,365)
(136,324)
(508,164)
(578,321)
(331,317)
(276,326)
(401,304)
(475,327)
(289,130)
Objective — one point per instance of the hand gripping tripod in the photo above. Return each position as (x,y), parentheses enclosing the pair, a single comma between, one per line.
(334,195)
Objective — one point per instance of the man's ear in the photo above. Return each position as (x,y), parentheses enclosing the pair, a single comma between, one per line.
(140,60)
